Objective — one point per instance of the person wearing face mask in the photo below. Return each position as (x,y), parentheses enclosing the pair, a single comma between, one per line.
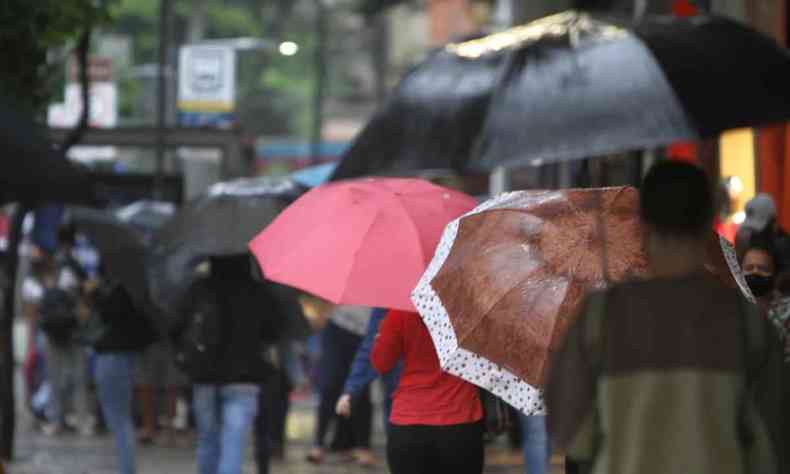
(759,265)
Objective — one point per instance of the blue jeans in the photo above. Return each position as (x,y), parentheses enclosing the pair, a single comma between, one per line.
(535,443)
(113,372)
(224,416)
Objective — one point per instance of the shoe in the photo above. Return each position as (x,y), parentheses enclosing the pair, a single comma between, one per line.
(277,452)
(145,438)
(365,458)
(315,456)
(53,429)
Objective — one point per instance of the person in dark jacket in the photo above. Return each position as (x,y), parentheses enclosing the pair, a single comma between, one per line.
(118,335)
(363,374)
(227,382)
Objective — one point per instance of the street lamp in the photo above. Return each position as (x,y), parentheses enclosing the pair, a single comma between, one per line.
(288,48)
(247,43)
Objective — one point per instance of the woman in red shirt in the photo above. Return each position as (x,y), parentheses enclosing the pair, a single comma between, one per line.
(436,417)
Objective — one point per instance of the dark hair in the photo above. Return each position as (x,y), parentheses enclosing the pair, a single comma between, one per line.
(676,198)
(763,241)
(42,266)
(783,283)
(67,234)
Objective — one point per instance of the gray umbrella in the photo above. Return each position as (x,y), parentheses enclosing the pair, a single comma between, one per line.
(121,247)
(148,216)
(221,222)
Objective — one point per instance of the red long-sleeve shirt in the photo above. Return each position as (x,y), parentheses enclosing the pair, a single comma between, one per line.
(426,395)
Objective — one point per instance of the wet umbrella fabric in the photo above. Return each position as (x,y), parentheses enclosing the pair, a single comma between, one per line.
(571,86)
(508,278)
(121,247)
(32,171)
(148,216)
(361,242)
(221,222)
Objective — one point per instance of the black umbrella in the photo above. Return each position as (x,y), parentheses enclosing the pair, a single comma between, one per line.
(221,222)
(571,86)
(121,247)
(597,88)
(431,121)
(31,171)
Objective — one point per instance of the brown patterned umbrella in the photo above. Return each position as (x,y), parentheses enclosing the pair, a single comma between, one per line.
(508,279)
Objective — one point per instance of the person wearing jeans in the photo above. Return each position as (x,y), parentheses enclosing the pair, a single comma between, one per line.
(363,373)
(226,386)
(113,384)
(535,443)
(118,337)
(224,416)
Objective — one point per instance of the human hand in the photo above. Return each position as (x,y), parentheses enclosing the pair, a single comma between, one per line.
(343,407)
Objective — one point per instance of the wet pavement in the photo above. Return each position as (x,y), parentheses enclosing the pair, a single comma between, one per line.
(37,453)
(74,454)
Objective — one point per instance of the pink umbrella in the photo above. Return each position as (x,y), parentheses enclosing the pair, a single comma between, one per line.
(364,242)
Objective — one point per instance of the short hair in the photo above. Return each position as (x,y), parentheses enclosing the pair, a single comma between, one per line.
(764,242)
(676,198)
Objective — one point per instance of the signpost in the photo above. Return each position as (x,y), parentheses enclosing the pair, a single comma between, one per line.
(103,94)
(206,86)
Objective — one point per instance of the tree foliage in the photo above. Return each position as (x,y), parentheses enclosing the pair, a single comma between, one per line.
(30,31)
(272,91)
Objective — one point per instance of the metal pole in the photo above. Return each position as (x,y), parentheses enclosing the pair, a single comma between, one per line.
(165,12)
(320,80)
(380,55)
(640,8)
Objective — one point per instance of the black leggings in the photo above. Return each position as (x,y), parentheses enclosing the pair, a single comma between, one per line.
(421,449)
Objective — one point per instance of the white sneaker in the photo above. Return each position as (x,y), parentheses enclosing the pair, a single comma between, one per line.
(52,429)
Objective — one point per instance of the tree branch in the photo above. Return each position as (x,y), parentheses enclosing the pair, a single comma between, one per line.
(83,47)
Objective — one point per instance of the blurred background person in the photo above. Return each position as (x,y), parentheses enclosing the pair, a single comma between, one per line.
(65,358)
(340,339)
(760,265)
(34,368)
(761,220)
(157,391)
(362,374)
(118,334)
(436,420)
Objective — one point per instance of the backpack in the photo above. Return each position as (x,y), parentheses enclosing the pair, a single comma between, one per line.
(59,316)
(200,342)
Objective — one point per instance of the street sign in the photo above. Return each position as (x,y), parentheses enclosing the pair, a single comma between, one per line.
(103,96)
(206,85)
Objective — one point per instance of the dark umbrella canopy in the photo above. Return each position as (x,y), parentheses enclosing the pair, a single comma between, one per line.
(221,222)
(430,122)
(31,171)
(148,216)
(595,88)
(572,86)
(121,247)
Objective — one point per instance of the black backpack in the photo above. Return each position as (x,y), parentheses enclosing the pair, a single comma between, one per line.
(59,316)
(200,341)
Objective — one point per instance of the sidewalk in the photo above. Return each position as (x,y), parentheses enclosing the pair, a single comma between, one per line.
(72,454)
